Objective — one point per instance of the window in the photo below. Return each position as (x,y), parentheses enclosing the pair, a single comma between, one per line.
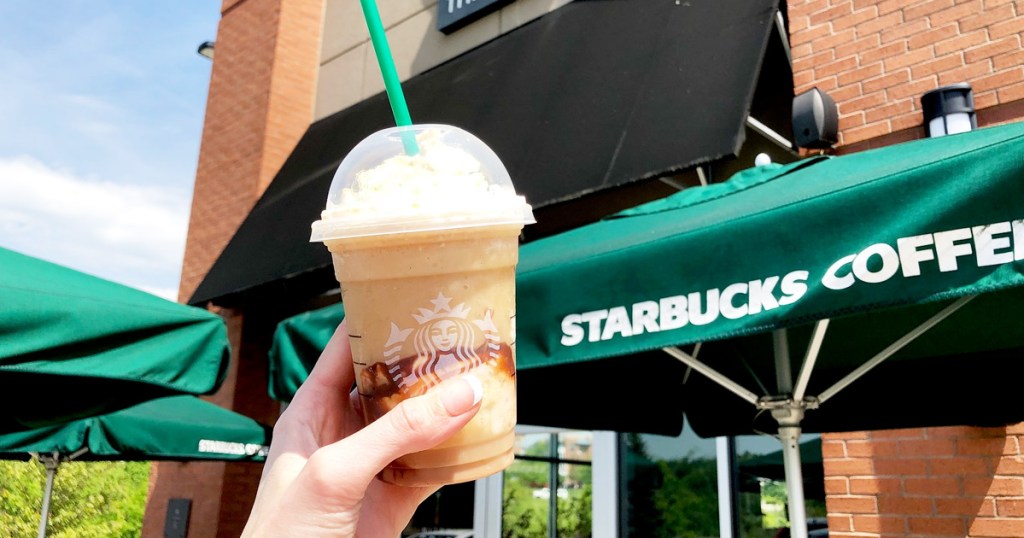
(547,491)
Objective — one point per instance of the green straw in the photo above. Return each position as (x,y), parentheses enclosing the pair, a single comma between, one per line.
(387,70)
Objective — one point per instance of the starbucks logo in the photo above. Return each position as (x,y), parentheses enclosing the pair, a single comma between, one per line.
(444,342)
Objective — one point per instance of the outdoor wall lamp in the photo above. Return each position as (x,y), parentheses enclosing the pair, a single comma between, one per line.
(949,110)
(206,49)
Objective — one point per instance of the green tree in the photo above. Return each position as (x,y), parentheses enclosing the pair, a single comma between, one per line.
(90,500)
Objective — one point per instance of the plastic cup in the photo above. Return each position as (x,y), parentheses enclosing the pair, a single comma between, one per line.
(425,249)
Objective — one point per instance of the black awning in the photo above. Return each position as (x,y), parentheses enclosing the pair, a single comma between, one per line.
(594,95)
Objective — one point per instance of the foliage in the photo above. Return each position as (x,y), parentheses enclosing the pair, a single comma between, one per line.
(90,500)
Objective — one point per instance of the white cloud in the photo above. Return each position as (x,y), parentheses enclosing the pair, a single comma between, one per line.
(132,234)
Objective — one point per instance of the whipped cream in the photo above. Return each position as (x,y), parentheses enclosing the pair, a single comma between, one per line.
(442,186)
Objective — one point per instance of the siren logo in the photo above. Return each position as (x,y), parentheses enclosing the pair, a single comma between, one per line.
(444,343)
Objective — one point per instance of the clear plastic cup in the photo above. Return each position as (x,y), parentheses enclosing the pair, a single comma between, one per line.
(425,248)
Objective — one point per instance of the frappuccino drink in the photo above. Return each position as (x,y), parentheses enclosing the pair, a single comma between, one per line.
(425,248)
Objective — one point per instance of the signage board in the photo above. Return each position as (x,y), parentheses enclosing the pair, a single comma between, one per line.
(454,14)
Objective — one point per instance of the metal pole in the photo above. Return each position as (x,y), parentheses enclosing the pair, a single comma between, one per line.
(712,374)
(790,437)
(51,463)
(783,366)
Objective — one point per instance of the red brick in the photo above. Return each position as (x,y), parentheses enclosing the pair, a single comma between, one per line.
(889,111)
(834,67)
(809,35)
(800,51)
(938,65)
(833,40)
(833,449)
(868,449)
(886,81)
(925,8)
(912,57)
(937,526)
(879,524)
(851,91)
(954,14)
(861,103)
(933,486)
(985,447)
(848,467)
(802,81)
(799,22)
(996,527)
(931,37)
(865,132)
(996,81)
(1015,429)
(840,523)
(892,32)
(1004,61)
(960,466)
(965,506)
(960,42)
(1010,507)
(872,485)
(909,506)
(913,89)
(1010,466)
(926,447)
(993,486)
(906,432)
(989,17)
(849,504)
(888,6)
(880,53)
(825,15)
(866,14)
(1011,93)
(906,121)
(899,467)
(837,485)
(849,121)
(876,26)
(1006,44)
(967,432)
(985,99)
(808,63)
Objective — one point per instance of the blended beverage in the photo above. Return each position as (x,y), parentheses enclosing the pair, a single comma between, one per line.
(425,248)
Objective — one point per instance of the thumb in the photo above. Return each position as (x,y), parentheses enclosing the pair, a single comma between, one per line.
(416,424)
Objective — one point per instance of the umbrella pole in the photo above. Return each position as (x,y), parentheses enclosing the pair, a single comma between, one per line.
(790,437)
(50,463)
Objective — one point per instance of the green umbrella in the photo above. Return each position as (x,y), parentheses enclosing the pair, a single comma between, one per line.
(73,345)
(182,428)
(296,346)
(847,262)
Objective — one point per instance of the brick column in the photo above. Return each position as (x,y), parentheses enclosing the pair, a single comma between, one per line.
(262,90)
(930,482)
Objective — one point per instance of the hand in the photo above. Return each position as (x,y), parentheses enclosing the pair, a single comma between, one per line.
(320,477)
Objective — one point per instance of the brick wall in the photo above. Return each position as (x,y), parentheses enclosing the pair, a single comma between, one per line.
(877,57)
(260,102)
(925,482)
(262,89)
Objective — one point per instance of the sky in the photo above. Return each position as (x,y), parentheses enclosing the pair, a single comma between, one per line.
(101,115)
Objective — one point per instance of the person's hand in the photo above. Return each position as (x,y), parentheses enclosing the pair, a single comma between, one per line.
(320,477)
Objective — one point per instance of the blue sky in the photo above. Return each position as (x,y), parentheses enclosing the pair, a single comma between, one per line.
(101,112)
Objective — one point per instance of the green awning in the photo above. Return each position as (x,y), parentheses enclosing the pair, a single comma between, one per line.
(181,428)
(877,242)
(73,345)
(297,344)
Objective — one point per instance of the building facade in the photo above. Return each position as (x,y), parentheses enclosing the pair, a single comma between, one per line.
(281,65)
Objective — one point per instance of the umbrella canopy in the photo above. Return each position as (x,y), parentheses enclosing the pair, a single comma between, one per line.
(73,345)
(296,346)
(876,242)
(172,428)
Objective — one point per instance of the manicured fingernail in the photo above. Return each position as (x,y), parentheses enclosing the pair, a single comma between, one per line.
(462,394)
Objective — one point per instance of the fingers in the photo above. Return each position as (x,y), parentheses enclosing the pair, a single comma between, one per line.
(416,424)
(333,371)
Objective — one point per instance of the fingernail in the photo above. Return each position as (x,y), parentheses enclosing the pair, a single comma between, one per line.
(462,394)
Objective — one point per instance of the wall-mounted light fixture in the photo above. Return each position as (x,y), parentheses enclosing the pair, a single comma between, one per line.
(949,110)
(206,49)
(815,120)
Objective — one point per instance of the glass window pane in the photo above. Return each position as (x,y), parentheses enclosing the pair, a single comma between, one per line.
(670,486)
(578,446)
(525,499)
(573,518)
(763,496)
(533,444)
